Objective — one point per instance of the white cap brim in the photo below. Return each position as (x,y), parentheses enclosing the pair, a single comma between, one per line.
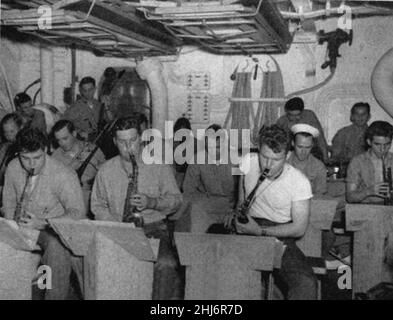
(303,127)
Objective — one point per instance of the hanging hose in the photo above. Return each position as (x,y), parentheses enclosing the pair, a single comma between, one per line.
(316,87)
(32,84)
(35,96)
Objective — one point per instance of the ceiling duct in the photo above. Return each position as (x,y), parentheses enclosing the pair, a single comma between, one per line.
(109,28)
(225,27)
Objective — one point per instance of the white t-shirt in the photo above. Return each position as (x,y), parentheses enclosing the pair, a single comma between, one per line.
(273,200)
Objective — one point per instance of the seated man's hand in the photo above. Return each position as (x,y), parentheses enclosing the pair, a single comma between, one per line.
(142,202)
(381,190)
(251,227)
(30,221)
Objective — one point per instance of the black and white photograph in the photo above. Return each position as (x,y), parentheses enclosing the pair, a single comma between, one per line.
(209,151)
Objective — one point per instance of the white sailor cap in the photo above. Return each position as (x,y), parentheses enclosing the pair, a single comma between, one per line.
(303,127)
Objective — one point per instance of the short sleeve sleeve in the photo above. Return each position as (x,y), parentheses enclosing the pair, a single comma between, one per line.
(303,188)
(353,172)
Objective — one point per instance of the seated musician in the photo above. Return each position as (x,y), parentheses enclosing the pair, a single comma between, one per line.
(210,186)
(180,169)
(367,173)
(78,155)
(302,159)
(296,113)
(31,117)
(280,208)
(10,126)
(126,187)
(350,141)
(37,188)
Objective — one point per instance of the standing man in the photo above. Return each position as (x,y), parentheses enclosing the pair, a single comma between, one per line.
(74,153)
(350,141)
(31,117)
(87,113)
(38,188)
(302,159)
(281,208)
(365,182)
(295,113)
(157,196)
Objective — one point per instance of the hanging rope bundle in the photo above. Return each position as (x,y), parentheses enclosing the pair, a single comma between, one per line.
(240,111)
(267,112)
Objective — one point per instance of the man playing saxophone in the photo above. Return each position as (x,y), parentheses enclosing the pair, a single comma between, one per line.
(38,188)
(126,186)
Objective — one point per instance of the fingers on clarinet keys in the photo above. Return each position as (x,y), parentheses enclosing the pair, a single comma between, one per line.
(228,219)
(382,189)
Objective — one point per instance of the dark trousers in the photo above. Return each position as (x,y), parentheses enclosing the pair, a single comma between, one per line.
(167,281)
(295,278)
(62,262)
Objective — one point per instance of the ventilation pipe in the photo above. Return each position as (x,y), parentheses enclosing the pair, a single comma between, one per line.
(47,75)
(382,82)
(151,70)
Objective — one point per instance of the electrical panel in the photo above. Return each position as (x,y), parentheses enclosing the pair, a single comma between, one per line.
(198,97)
(198,107)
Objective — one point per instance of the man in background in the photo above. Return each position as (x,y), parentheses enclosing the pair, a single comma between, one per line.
(295,113)
(350,141)
(74,153)
(301,158)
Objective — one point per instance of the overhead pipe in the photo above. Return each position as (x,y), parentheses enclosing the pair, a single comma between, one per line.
(382,82)
(150,69)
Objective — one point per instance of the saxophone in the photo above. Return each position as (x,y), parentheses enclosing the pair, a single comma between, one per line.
(19,213)
(130,213)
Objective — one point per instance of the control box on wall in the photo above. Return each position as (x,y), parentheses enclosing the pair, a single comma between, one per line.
(198,97)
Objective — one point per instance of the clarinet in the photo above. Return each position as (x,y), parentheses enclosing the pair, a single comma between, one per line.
(130,213)
(242,214)
(387,178)
(19,206)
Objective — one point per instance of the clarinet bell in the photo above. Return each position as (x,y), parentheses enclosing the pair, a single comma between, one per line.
(243,219)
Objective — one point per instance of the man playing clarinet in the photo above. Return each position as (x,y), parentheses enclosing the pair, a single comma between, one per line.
(280,207)
(368,173)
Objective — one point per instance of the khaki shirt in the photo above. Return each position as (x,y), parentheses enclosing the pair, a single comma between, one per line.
(56,191)
(110,189)
(211,180)
(362,172)
(348,142)
(78,159)
(314,170)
